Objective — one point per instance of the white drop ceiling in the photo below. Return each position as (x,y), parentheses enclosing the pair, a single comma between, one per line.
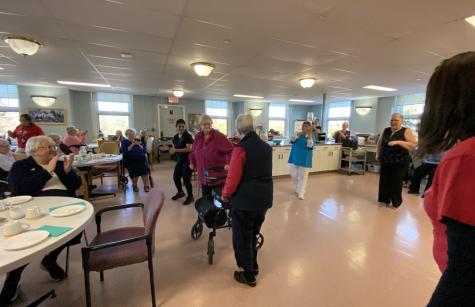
(345,44)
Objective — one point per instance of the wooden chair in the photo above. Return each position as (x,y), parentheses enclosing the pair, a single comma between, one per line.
(109,147)
(123,246)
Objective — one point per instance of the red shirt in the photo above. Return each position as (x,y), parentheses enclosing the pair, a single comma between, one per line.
(23,133)
(452,195)
(238,158)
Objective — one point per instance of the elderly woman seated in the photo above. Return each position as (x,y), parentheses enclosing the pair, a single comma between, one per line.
(135,160)
(6,159)
(62,149)
(41,174)
(74,139)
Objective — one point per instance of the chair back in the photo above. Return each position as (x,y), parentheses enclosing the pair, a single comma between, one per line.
(110,147)
(153,206)
(4,187)
(19,155)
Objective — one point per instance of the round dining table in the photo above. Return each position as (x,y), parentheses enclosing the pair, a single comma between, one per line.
(10,260)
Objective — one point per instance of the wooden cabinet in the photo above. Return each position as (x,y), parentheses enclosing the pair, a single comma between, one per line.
(280,160)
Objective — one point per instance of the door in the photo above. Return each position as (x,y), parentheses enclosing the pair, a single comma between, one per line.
(167,117)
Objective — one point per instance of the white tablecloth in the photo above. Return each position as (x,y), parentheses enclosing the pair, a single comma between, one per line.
(10,260)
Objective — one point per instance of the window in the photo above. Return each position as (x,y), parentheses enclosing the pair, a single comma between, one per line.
(337,114)
(218,110)
(411,107)
(113,111)
(277,118)
(9,108)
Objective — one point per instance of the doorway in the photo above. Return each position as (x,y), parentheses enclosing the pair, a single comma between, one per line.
(167,117)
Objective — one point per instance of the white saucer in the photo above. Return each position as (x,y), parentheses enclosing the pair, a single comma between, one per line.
(25,240)
(67,210)
(16,200)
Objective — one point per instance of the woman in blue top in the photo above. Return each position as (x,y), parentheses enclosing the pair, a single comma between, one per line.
(300,158)
(135,160)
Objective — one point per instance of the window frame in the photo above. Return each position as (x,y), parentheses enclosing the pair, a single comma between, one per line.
(406,100)
(284,118)
(114,113)
(328,119)
(220,117)
(14,109)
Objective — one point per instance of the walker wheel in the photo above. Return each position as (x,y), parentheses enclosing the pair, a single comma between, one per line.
(196,230)
(210,251)
(260,241)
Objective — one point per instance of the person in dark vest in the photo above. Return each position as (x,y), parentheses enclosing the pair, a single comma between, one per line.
(393,153)
(249,189)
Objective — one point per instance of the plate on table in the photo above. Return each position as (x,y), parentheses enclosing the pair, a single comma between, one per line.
(67,210)
(25,240)
(16,200)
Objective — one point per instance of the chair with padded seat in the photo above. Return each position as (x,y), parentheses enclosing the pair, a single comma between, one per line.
(123,246)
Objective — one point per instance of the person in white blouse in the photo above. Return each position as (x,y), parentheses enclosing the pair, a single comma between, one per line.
(6,157)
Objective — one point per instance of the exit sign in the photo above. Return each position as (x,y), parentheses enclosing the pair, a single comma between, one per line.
(173,100)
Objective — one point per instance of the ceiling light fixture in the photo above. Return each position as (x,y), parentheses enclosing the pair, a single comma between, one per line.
(307,82)
(203,69)
(300,100)
(248,96)
(255,112)
(22,45)
(380,88)
(178,93)
(43,101)
(1,68)
(363,110)
(83,84)
(126,55)
(471,20)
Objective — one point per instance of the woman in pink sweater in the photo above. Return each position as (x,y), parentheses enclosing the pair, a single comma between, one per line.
(211,149)
(74,139)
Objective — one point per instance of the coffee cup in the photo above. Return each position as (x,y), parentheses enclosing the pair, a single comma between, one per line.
(16,213)
(33,212)
(14,227)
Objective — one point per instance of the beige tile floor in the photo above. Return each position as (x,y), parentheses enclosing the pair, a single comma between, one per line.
(335,248)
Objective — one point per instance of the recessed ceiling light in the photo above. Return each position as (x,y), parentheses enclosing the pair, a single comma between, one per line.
(126,55)
(1,68)
(23,45)
(203,69)
(83,84)
(380,88)
(248,96)
(471,20)
(300,100)
(307,82)
(178,93)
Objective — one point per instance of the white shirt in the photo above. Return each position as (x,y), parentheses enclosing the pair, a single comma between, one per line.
(6,162)
(54,183)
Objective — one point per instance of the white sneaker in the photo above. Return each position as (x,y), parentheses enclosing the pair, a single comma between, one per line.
(301,196)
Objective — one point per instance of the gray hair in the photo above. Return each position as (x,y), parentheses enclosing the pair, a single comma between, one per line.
(70,128)
(244,123)
(205,117)
(397,115)
(55,137)
(132,130)
(34,142)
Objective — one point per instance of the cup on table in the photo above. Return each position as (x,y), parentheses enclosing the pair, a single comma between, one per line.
(14,227)
(16,213)
(33,212)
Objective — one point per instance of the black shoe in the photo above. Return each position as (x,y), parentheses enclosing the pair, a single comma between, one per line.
(9,293)
(178,195)
(188,200)
(56,273)
(146,189)
(135,188)
(256,269)
(245,278)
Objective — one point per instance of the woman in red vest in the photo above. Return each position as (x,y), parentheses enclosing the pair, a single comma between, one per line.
(25,130)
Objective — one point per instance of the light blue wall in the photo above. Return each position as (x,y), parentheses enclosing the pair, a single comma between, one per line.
(364,123)
(385,107)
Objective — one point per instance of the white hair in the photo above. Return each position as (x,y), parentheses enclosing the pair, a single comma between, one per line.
(34,142)
(244,123)
(205,117)
(55,137)
(130,129)
(397,115)
(70,128)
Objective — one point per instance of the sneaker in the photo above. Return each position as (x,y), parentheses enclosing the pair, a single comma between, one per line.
(301,197)
(247,278)
(56,273)
(178,195)
(188,200)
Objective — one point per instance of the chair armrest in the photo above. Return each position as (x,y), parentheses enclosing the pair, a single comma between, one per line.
(111,208)
(91,248)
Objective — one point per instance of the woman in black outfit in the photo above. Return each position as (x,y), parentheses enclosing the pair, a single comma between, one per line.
(393,153)
(182,145)
(41,174)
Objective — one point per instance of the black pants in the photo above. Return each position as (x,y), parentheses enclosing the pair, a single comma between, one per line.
(246,227)
(456,287)
(182,170)
(14,276)
(390,183)
(419,173)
